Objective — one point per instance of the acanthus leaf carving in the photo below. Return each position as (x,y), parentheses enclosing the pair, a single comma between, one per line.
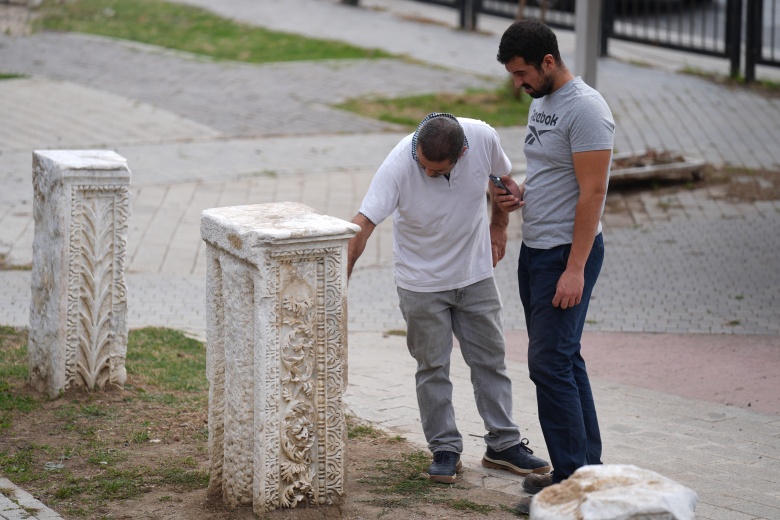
(97,277)
(96,290)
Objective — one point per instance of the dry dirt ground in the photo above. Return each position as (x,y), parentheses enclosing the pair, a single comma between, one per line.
(361,499)
(141,452)
(375,465)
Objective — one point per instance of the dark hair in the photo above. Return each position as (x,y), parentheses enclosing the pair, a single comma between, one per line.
(531,40)
(440,139)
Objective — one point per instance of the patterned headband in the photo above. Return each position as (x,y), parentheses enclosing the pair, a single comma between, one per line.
(428,118)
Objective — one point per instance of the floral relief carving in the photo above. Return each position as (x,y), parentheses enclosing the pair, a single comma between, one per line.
(313,365)
(297,358)
(298,439)
(297,348)
(97,293)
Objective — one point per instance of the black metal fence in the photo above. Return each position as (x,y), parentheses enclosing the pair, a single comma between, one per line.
(708,27)
(555,13)
(762,35)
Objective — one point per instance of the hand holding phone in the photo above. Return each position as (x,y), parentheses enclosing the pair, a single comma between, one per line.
(499,184)
(495,180)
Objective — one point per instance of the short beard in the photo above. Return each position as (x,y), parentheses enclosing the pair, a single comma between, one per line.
(544,89)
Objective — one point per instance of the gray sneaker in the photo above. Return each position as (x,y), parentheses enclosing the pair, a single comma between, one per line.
(446,464)
(518,459)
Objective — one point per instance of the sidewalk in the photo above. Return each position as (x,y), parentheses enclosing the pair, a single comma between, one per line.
(683,336)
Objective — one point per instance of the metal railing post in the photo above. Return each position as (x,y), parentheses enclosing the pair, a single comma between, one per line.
(468,14)
(753,37)
(734,35)
(607,22)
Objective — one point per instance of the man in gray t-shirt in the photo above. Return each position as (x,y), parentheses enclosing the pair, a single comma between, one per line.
(568,147)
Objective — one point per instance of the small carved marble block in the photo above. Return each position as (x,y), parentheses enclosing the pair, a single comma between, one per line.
(78,314)
(276,304)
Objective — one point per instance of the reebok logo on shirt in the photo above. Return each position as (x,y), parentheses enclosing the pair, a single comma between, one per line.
(539,117)
(535,135)
(543,118)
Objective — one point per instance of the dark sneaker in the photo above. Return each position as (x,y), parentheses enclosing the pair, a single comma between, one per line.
(534,482)
(519,459)
(445,465)
(524,506)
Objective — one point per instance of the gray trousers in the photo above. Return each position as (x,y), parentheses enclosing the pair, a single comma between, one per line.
(473,314)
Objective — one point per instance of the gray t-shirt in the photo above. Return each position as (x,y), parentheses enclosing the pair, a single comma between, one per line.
(574,118)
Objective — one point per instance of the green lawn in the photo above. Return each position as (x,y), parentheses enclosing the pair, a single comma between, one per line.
(191,29)
(500,107)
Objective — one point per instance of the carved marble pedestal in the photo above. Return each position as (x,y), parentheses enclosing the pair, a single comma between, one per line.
(78,314)
(276,354)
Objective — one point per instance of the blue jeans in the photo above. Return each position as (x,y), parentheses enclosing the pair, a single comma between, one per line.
(567,413)
(473,314)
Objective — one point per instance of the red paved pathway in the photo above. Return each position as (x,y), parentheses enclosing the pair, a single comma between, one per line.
(738,370)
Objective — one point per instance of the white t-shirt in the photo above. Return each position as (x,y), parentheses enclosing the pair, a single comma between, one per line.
(441,237)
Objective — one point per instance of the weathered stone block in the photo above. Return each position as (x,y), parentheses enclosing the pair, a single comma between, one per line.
(276,354)
(615,492)
(78,313)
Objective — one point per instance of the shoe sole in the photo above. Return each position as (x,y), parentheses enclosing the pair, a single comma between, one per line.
(506,466)
(446,479)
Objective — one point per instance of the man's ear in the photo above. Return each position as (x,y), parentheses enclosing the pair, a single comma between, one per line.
(548,61)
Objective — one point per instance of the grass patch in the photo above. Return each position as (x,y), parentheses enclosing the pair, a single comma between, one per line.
(499,108)
(85,449)
(101,456)
(356,431)
(401,478)
(10,76)
(402,482)
(184,479)
(13,366)
(468,505)
(4,265)
(167,360)
(19,465)
(191,29)
(139,437)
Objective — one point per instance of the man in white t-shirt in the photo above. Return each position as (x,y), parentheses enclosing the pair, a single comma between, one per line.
(434,184)
(568,148)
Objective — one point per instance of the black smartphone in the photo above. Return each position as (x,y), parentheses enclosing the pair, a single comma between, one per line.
(495,180)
